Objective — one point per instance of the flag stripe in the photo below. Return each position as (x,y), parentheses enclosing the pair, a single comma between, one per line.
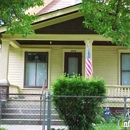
(88,63)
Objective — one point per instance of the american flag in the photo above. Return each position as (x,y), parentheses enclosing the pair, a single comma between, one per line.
(88,62)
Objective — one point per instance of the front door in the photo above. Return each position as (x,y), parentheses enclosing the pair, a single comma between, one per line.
(73,63)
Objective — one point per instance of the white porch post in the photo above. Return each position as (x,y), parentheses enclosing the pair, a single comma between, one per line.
(4,83)
(88,42)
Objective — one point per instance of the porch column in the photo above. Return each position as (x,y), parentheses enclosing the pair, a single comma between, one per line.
(88,54)
(4,83)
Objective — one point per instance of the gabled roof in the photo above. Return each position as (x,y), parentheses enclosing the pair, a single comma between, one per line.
(56,5)
(57,13)
(52,15)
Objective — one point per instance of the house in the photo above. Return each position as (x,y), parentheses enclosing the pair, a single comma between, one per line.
(58,46)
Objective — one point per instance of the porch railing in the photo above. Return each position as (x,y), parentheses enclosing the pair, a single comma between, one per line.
(119,91)
(44,87)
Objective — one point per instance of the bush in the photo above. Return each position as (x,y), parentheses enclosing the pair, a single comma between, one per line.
(78,111)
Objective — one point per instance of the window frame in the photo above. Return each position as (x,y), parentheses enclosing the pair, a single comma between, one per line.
(48,50)
(119,51)
(35,69)
(74,50)
(121,68)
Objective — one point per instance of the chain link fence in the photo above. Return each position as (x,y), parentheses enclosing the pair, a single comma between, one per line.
(54,112)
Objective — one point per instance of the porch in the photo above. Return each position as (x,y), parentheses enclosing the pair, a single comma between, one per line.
(111,90)
(118,91)
(116,94)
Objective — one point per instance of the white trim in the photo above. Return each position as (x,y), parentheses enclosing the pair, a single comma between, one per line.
(119,62)
(58,37)
(36,50)
(74,50)
(15,44)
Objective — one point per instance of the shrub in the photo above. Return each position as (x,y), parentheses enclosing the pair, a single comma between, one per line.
(73,104)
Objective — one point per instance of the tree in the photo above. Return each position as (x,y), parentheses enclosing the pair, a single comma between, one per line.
(111,18)
(13,15)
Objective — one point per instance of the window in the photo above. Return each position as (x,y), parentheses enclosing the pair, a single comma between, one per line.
(125,69)
(36,64)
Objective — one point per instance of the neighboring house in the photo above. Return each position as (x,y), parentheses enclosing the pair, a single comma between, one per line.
(57,47)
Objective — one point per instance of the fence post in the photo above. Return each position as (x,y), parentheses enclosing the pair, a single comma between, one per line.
(44,111)
(0,106)
(125,109)
(49,111)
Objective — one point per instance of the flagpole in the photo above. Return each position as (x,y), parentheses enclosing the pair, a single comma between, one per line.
(88,47)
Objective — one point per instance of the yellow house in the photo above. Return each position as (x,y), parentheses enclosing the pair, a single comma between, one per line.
(58,46)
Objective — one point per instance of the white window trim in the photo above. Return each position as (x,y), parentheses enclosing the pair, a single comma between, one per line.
(35,50)
(119,62)
(74,50)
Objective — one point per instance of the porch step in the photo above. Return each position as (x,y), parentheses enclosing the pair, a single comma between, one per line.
(27,112)
(26,116)
(29,122)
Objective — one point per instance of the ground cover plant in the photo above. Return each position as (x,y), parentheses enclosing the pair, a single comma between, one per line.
(77,100)
(3,129)
(109,126)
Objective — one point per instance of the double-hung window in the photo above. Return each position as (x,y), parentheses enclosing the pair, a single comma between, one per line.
(125,68)
(36,66)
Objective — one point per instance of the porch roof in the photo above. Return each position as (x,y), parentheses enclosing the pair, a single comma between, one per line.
(54,18)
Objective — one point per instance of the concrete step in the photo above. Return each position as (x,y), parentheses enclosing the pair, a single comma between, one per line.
(29,122)
(26,116)
(36,105)
(22,105)
(26,110)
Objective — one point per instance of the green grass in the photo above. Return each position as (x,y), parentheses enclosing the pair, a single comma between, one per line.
(109,126)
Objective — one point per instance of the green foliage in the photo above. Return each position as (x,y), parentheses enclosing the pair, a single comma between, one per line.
(99,117)
(78,111)
(108,17)
(3,129)
(14,17)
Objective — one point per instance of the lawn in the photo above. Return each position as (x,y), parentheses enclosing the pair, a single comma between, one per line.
(109,126)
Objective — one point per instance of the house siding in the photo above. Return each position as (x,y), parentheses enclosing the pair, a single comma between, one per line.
(55,63)
(105,63)
(15,67)
(16,63)
(73,26)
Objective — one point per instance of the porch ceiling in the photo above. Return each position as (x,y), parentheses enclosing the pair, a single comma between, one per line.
(30,42)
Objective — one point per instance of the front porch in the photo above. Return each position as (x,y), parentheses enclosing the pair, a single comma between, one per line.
(111,90)
(59,47)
